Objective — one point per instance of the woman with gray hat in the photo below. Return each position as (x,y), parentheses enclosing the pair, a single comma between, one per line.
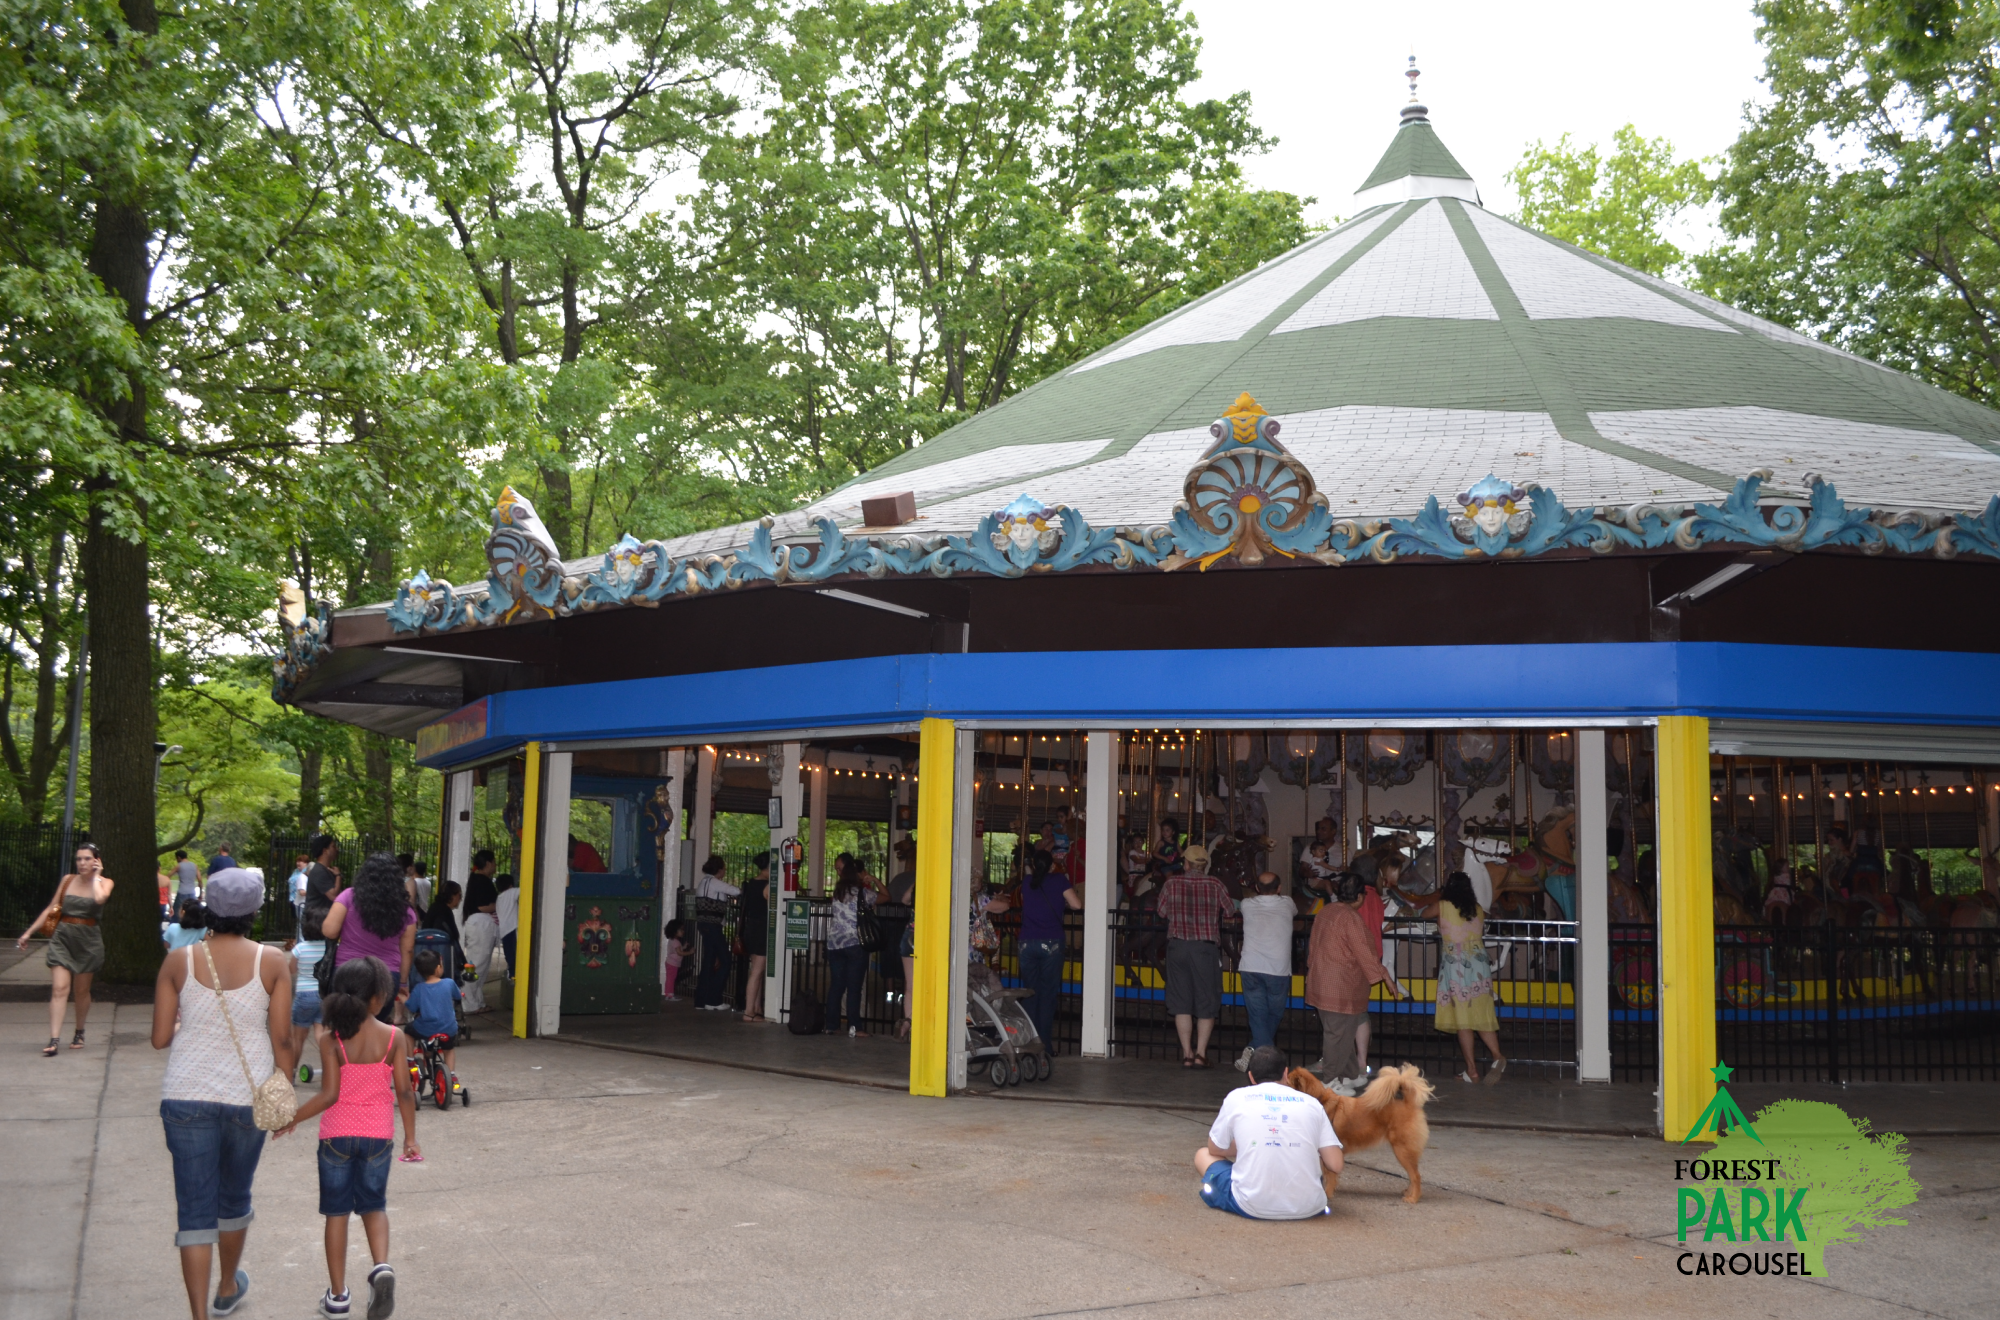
(224,1006)
(76,945)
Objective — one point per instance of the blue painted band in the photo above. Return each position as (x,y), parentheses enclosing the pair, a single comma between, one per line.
(1061,689)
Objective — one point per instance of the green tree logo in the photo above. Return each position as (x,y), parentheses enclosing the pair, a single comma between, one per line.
(1845,1178)
(1723,1112)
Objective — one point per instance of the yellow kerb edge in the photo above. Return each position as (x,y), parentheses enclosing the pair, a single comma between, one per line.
(524,937)
(930,1020)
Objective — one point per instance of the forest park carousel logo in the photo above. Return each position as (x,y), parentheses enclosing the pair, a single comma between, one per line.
(1772,1196)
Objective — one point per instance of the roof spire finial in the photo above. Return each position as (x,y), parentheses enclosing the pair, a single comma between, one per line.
(1415,111)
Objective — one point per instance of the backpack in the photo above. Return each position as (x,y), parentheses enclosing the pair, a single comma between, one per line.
(808,1017)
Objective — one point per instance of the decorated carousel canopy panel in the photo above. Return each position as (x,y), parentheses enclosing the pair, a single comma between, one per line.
(1427,386)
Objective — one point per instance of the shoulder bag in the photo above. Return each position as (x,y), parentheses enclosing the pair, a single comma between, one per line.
(273,1102)
(49,924)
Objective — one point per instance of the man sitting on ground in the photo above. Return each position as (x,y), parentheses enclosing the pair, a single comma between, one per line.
(1267,1148)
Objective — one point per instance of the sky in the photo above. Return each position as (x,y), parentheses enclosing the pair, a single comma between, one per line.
(1326,78)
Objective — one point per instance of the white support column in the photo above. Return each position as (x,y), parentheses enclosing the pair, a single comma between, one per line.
(962,809)
(701,820)
(1593,912)
(456,864)
(1100,887)
(815,881)
(778,967)
(673,769)
(551,894)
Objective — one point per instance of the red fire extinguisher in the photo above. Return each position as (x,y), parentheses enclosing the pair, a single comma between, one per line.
(790,855)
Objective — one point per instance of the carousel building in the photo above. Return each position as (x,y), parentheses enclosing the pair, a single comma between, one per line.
(1434,535)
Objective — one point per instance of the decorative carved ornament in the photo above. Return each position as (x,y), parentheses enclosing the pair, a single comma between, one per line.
(1248,498)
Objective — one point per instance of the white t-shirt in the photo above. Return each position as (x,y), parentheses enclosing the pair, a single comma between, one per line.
(1278,1134)
(1267,934)
(714,886)
(508,910)
(298,884)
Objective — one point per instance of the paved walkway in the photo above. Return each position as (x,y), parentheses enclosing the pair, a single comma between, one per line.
(1517,1103)
(596,1183)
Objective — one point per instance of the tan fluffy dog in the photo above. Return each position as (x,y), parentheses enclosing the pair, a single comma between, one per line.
(1391,1110)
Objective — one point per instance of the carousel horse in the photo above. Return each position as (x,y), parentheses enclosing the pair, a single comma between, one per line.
(1520,884)
(1233,859)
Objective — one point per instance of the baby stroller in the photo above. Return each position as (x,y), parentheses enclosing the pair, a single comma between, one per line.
(446,948)
(999,1035)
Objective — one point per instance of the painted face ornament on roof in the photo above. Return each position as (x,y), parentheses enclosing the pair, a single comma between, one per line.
(1025,528)
(1491,505)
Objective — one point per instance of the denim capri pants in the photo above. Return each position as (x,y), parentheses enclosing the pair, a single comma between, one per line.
(305,1008)
(353,1175)
(215,1148)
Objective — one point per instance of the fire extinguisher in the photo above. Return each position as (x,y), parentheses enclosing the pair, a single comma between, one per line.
(790,855)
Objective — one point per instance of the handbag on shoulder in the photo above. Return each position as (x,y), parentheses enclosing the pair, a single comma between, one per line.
(273,1102)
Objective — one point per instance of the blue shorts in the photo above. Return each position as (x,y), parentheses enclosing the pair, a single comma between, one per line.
(354,1175)
(1215,1191)
(215,1149)
(305,1008)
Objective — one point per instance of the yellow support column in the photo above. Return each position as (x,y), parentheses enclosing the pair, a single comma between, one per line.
(931,996)
(524,938)
(1686,926)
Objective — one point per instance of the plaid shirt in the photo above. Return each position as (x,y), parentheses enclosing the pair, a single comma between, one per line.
(1194,906)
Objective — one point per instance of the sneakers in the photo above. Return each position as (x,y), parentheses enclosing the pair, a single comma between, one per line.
(224,1305)
(331,1307)
(1243,1060)
(381,1292)
(1349,1086)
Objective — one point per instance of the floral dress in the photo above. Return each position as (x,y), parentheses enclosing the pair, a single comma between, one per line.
(1465,976)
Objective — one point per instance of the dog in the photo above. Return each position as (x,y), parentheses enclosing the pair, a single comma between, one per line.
(1391,1110)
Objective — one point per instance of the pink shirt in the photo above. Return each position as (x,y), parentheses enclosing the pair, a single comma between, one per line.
(367,1103)
(357,941)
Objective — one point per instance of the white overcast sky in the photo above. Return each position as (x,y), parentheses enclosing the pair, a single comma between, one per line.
(1326,78)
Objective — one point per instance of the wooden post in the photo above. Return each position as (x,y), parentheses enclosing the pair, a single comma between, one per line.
(455,863)
(701,826)
(936,912)
(1687,925)
(1100,887)
(1593,912)
(815,882)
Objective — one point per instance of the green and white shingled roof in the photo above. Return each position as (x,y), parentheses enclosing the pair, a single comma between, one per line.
(1425,343)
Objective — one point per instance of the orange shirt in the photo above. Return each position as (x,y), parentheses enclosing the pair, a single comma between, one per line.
(1341,964)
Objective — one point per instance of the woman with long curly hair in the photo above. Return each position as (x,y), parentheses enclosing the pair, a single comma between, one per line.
(374,919)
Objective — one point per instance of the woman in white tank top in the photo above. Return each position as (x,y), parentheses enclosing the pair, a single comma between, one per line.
(205,1096)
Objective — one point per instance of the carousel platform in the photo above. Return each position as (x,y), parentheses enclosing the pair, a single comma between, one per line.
(1523,1102)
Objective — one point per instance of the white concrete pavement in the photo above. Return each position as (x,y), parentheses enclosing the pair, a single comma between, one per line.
(588,1183)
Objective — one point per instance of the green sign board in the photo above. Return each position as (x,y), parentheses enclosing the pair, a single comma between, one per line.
(798,923)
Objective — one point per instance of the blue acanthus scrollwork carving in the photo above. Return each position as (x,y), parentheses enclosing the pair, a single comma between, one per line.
(1979,533)
(634,572)
(422,602)
(1248,497)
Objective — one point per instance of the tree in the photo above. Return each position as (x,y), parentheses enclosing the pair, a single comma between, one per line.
(604,100)
(1617,205)
(1848,1178)
(201,279)
(952,200)
(1862,200)
(39,631)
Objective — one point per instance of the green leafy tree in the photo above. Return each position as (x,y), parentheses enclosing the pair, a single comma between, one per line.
(205,288)
(1617,204)
(1862,200)
(1850,1178)
(946,201)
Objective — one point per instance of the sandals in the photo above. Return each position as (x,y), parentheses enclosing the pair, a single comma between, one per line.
(1494,1069)
(55,1043)
(1463,1076)
(1202,1061)
(76,1041)
(1187,1060)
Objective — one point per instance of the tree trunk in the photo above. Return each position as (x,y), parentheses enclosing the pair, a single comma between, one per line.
(117,587)
(122,728)
(309,795)
(381,770)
